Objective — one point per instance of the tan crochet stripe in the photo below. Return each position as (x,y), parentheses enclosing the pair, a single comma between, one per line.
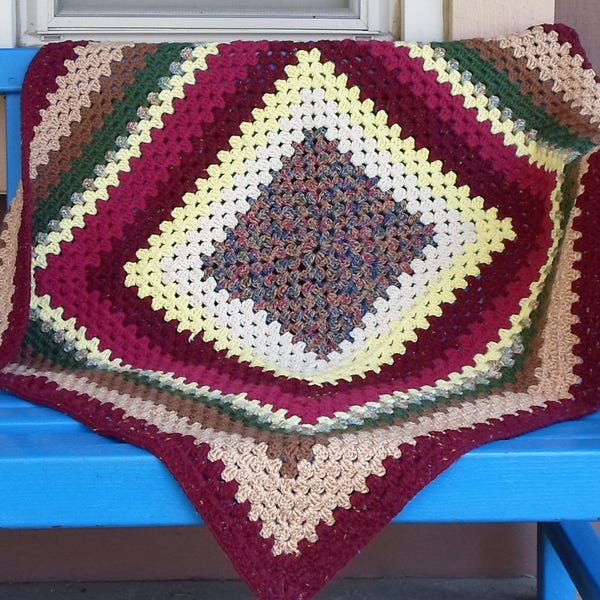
(540,91)
(555,64)
(92,117)
(9,245)
(556,353)
(73,93)
(312,497)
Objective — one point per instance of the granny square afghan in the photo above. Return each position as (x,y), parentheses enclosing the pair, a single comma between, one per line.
(307,276)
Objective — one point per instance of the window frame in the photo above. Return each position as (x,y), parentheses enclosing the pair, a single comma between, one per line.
(39,24)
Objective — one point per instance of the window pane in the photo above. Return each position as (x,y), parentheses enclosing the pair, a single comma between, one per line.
(207,8)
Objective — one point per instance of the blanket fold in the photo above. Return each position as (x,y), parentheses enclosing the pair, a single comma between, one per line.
(307,276)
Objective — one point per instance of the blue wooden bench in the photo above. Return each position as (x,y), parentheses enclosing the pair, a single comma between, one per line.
(550,476)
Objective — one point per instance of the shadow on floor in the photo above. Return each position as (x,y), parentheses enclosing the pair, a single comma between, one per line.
(349,589)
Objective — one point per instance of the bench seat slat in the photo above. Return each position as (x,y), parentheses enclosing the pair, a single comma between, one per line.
(83,479)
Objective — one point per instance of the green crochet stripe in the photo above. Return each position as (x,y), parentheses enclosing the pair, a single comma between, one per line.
(568,191)
(43,343)
(498,84)
(103,140)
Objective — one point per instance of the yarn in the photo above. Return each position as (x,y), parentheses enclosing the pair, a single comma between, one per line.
(307,276)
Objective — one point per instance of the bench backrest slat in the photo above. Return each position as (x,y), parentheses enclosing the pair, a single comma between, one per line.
(13,66)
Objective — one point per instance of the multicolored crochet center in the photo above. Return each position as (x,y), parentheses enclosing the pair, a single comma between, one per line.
(307,276)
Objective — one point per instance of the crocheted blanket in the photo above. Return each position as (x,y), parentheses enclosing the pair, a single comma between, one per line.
(307,276)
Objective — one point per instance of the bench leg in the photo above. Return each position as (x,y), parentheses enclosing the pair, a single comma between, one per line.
(568,558)
(553,581)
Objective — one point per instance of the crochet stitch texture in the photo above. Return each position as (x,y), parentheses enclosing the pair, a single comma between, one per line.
(307,276)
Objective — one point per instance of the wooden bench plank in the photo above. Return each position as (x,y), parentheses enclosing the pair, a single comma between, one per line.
(83,479)
(14,65)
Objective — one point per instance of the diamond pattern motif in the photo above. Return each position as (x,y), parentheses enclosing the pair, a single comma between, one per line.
(460,235)
(299,252)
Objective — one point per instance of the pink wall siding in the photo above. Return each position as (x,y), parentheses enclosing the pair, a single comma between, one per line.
(584,16)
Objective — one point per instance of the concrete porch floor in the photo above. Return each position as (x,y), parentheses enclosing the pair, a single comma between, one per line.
(345,589)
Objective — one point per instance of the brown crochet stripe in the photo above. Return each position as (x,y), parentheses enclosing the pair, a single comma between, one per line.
(290,448)
(540,91)
(63,109)
(102,101)
(556,65)
(237,453)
